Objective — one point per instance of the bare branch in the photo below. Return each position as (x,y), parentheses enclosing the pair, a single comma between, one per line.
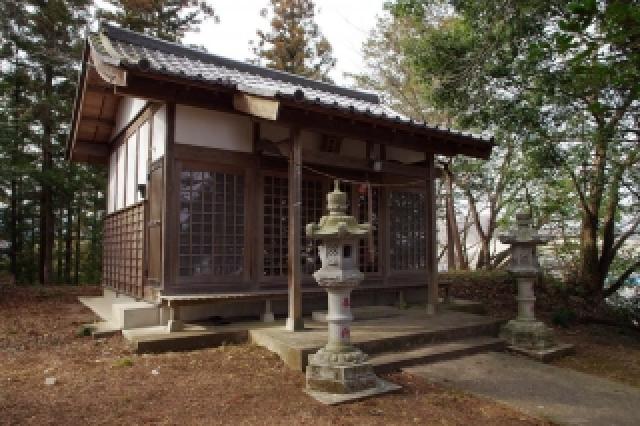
(620,281)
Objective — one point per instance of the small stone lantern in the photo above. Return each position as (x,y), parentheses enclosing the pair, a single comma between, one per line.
(525,334)
(339,370)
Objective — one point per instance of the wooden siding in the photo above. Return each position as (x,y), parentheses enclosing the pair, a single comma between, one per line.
(123,251)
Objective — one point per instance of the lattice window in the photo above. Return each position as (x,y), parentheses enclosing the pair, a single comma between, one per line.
(313,204)
(367,264)
(123,250)
(211,224)
(276,217)
(276,213)
(407,249)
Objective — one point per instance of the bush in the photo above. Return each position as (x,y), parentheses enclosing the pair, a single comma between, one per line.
(563,317)
(626,309)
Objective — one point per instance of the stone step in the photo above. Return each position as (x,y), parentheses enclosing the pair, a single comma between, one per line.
(391,361)
(157,340)
(484,328)
(363,313)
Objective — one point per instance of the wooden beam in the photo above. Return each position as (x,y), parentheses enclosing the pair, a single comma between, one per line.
(395,168)
(107,72)
(319,119)
(431,261)
(335,160)
(90,152)
(256,106)
(98,122)
(294,319)
(358,129)
(170,204)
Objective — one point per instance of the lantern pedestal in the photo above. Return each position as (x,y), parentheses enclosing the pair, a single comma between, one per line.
(340,372)
(339,367)
(525,334)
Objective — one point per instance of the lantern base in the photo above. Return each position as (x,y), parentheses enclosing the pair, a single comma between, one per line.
(340,372)
(527,334)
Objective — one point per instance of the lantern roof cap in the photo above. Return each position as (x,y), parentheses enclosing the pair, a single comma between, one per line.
(524,233)
(337,224)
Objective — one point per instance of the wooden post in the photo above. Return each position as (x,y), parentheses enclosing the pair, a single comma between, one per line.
(169,207)
(430,235)
(294,320)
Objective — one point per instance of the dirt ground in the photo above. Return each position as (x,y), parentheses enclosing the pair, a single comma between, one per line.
(99,381)
(602,350)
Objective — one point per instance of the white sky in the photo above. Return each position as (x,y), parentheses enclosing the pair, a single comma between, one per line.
(345,23)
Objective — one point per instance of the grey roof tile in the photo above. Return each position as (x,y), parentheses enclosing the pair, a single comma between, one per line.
(172,58)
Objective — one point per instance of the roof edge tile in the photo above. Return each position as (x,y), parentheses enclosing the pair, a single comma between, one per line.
(128,36)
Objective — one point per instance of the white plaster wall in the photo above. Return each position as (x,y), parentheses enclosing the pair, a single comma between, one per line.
(132,151)
(122,158)
(159,133)
(129,107)
(111,186)
(143,156)
(404,155)
(213,129)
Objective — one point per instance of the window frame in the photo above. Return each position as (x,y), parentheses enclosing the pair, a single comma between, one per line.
(393,272)
(203,280)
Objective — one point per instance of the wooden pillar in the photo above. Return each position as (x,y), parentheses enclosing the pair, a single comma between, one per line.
(294,319)
(169,206)
(430,235)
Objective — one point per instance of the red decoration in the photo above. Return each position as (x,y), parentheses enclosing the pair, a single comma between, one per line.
(345,333)
(345,302)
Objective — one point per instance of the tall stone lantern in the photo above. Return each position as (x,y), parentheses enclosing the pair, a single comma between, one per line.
(525,334)
(340,371)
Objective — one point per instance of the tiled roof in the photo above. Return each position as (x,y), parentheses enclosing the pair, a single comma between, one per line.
(122,47)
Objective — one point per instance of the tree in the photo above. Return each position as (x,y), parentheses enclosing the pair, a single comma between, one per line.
(40,55)
(477,186)
(294,44)
(567,76)
(165,19)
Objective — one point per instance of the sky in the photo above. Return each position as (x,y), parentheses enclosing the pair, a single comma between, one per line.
(345,23)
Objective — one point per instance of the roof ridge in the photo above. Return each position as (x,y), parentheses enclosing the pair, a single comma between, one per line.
(154,43)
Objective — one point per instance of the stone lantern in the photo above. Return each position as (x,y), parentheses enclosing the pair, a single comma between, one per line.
(525,334)
(340,371)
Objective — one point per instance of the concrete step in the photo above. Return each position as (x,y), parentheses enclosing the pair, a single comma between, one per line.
(391,361)
(157,340)
(484,328)
(363,313)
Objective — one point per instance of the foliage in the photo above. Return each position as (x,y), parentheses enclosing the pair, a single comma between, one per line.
(47,203)
(563,317)
(294,43)
(626,309)
(563,76)
(165,19)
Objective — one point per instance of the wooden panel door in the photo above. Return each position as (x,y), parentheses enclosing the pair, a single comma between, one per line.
(154,225)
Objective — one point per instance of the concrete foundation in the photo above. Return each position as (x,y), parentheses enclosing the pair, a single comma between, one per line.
(381,387)
(544,355)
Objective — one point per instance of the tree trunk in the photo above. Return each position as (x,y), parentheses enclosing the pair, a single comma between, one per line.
(590,275)
(456,254)
(76,278)
(46,199)
(68,244)
(13,229)
(59,245)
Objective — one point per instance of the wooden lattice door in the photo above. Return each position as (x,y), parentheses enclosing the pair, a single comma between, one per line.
(154,225)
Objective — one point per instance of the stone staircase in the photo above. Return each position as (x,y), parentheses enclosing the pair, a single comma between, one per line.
(391,361)
(409,338)
(389,355)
